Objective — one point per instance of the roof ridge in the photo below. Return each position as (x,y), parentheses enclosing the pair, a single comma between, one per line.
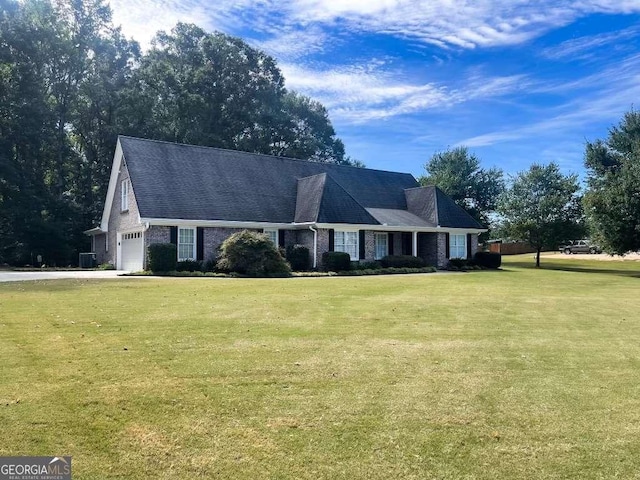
(331,165)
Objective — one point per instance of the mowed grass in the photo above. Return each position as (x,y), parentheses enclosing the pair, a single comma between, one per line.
(517,374)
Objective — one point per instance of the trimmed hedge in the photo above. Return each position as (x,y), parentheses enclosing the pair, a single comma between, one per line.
(298,257)
(336,261)
(163,257)
(488,259)
(189,266)
(387,271)
(458,263)
(367,266)
(403,261)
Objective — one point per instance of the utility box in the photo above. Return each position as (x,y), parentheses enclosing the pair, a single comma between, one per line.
(87,260)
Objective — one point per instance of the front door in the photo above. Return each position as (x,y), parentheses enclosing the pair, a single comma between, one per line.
(407,244)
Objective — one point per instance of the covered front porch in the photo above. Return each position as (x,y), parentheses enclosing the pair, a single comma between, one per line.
(430,246)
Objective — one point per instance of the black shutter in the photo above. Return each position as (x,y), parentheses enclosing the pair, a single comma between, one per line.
(469,254)
(390,240)
(200,244)
(332,240)
(173,235)
(446,245)
(361,244)
(281,238)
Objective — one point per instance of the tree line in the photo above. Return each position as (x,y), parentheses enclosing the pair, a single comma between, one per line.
(542,206)
(70,83)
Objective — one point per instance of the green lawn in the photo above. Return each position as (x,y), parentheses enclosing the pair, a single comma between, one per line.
(520,373)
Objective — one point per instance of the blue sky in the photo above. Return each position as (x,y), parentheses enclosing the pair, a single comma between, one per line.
(517,81)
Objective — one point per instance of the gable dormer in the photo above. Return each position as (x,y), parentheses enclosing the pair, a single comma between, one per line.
(321,199)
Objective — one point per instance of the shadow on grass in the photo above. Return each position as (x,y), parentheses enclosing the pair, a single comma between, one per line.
(632,270)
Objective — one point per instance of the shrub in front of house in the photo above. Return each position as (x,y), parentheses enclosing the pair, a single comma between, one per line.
(336,261)
(402,261)
(210,265)
(488,259)
(189,266)
(367,266)
(458,264)
(252,254)
(462,265)
(162,257)
(298,257)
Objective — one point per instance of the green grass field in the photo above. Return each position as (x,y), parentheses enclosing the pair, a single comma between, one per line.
(517,374)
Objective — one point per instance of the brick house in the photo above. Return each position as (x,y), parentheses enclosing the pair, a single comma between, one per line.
(196,197)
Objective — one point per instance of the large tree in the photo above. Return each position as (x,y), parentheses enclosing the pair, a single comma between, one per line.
(214,89)
(542,207)
(458,174)
(612,201)
(50,55)
(70,83)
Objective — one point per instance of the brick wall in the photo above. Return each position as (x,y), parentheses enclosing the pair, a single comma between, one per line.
(369,246)
(441,260)
(474,244)
(323,244)
(213,238)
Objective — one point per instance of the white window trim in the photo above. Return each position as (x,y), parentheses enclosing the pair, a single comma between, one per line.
(452,246)
(357,248)
(375,245)
(124,195)
(269,232)
(195,241)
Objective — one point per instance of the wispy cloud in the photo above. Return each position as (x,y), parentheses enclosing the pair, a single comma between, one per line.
(448,24)
(589,46)
(365,93)
(612,92)
(291,45)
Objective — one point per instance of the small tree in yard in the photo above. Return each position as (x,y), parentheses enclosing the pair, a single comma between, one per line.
(457,173)
(542,207)
(253,254)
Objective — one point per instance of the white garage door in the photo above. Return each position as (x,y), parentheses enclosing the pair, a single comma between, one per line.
(131,251)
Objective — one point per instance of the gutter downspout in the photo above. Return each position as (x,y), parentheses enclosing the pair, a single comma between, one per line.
(315,246)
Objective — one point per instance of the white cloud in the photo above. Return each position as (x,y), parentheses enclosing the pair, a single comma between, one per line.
(586,47)
(366,93)
(294,44)
(446,23)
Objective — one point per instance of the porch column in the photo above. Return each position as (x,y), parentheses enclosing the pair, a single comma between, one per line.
(414,244)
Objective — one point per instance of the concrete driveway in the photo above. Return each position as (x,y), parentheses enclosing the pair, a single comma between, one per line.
(11,276)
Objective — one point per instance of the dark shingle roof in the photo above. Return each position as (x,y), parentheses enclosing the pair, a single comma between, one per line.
(434,205)
(178,181)
(321,199)
(398,218)
(451,214)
